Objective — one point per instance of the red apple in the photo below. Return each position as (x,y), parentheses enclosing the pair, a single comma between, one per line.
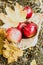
(29,11)
(14,35)
(30,30)
(21,25)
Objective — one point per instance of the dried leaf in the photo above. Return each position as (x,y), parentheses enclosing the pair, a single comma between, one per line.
(11,52)
(33,62)
(1,45)
(13,18)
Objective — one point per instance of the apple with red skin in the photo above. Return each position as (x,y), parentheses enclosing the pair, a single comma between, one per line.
(29,11)
(21,25)
(14,35)
(30,30)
